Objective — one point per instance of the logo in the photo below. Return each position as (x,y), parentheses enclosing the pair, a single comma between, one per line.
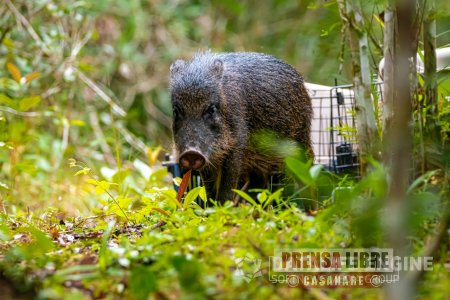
(331,268)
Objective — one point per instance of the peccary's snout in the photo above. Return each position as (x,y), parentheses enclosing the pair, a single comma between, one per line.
(192,159)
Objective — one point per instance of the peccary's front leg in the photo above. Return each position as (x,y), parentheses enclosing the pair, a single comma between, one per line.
(219,183)
(209,179)
(229,177)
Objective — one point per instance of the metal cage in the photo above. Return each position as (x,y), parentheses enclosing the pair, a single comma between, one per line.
(333,128)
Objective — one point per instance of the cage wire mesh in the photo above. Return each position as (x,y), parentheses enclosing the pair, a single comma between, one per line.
(333,131)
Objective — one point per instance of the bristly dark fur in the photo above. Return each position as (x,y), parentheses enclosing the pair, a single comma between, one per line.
(221,99)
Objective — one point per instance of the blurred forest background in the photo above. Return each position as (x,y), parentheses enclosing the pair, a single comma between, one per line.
(84,89)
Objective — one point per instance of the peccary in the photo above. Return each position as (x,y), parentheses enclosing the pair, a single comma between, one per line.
(219,101)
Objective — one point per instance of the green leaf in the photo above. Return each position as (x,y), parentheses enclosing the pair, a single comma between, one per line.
(262,197)
(9,85)
(422,179)
(191,196)
(83,271)
(102,187)
(83,171)
(4,99)
(189,274)
(314,171)
(123,201)
(92,181)
(171,197)
(29,102)
(142,282)
(41,244)
(274,196)
(202,194)
(300,170)
(103,253)
(246,197)
(5,233)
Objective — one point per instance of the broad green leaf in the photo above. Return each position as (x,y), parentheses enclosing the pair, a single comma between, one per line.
(202,194)
(246,197)
(262,197)
(300,170)
(29,102)
(191,196)
(314,171)
(4,99)
(171,197)
(274,196)
(124,202)
(92,181)
(102,187)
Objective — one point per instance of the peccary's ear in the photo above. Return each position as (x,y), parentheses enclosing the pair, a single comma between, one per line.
(177,66)
(217,68)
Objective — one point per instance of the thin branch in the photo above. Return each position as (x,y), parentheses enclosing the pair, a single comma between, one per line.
(50,91)
(76,49)
(153,111)
(107,153)
(117,203)
(27,25)
(100,93)
(132,139)
(22,113)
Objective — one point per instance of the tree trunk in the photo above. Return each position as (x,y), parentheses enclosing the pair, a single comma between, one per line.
(432,140)
(429,42)
(367,131)
(388,73)
(398,131)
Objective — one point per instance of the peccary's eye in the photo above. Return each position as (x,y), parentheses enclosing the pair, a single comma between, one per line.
(211,110)
(176,112)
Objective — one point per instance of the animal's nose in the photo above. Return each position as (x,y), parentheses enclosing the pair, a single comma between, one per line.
(192,160)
